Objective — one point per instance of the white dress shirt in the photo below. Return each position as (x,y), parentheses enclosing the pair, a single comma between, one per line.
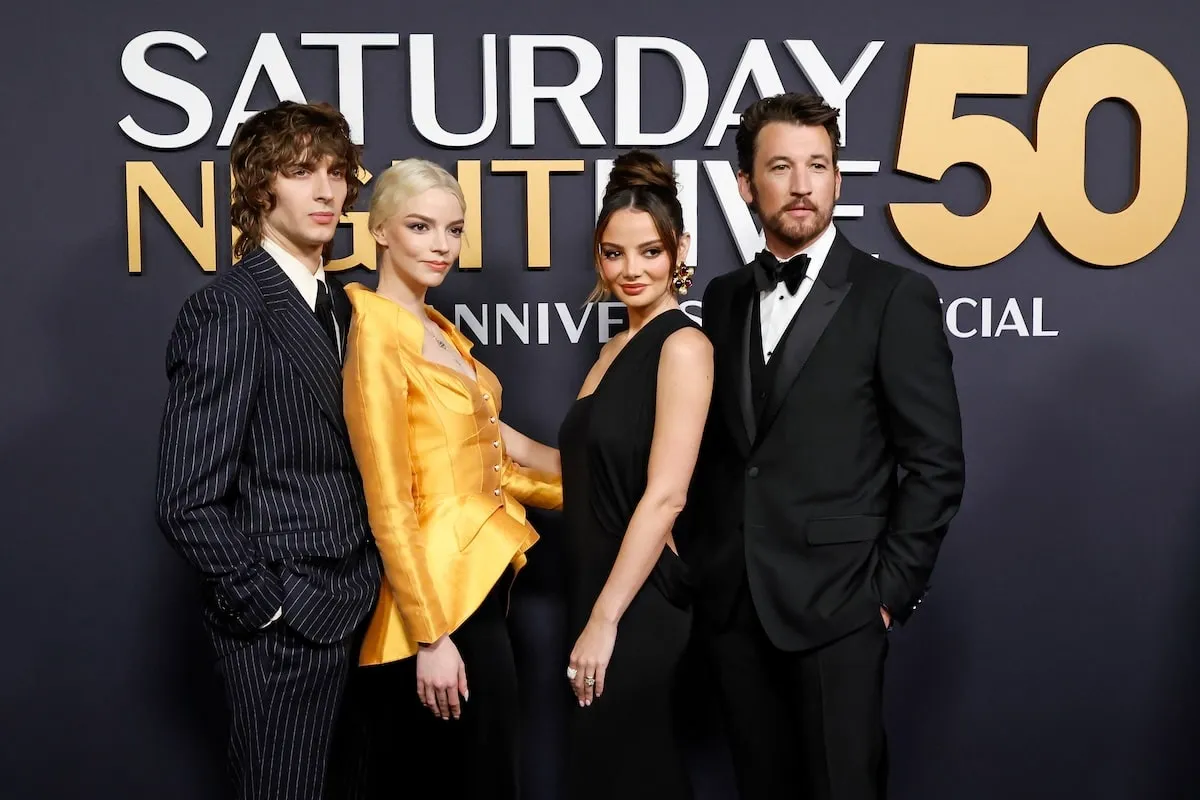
(776,307)
(306,282)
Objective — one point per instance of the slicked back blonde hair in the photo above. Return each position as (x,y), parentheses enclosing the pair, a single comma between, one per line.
(404,180)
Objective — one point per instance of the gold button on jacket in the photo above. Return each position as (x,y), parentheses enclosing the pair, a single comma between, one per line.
(443,498)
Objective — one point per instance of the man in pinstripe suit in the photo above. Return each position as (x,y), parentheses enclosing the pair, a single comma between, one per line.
(257,485)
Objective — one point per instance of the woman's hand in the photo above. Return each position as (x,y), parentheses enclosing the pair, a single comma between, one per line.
(589,659)
(441,677)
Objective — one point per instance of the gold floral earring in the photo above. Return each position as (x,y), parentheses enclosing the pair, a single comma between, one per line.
(681,278)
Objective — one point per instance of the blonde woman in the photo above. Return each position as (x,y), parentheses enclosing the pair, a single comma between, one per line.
(445,481)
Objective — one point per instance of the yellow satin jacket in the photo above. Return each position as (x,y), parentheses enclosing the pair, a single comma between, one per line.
(444,500)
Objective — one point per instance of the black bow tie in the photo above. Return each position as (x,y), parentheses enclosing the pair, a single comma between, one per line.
(768,272)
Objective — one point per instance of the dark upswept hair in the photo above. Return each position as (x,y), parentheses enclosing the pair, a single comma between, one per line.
(273,140)
(790,107)
(642,181)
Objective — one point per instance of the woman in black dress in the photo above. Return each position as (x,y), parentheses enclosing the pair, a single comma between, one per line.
(628,446)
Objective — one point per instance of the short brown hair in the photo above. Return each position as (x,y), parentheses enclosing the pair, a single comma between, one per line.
(273,140)
(791,107)
(642,181)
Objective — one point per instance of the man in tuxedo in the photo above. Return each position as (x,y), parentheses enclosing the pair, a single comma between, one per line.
(257,485)
(832,465)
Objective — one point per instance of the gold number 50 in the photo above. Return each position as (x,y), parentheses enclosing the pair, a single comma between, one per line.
(1025,181)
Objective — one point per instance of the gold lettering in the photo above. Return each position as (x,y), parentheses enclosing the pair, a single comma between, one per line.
(1024,182)
(537,201)
(471,256)
(200,238)
(1120,72)
(933,139)
(363,254)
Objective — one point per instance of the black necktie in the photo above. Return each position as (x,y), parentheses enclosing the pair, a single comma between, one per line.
(324,312)
(768,272)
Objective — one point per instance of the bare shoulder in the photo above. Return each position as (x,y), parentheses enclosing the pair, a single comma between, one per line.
(685,375)
(688,347)
(685,366)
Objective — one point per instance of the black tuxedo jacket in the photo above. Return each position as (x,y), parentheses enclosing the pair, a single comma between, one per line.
(836,501)
(257,485)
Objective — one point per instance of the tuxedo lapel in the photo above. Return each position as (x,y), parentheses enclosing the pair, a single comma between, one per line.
(747,307)
(827,293)
(295,329)
(734,381)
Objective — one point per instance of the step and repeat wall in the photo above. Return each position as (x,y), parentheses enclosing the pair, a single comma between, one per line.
(1030,157)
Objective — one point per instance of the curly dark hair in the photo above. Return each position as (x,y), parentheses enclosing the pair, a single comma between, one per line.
(792,107)
(275,139)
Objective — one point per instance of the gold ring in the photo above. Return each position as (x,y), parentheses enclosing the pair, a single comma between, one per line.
(589,681)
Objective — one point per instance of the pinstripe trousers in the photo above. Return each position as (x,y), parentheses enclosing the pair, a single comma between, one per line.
(284,694)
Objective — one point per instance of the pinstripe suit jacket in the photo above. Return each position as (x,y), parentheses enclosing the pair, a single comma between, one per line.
(257,485)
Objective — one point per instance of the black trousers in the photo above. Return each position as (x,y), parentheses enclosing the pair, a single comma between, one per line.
(409,752)
(284,694)
(625,745)
(807,724)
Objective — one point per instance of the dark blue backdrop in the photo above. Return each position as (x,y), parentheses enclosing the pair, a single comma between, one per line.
(1056,655)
